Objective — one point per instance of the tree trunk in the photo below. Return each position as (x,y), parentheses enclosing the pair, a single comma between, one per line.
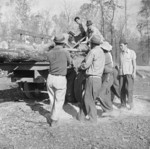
(125,19)
(103,19)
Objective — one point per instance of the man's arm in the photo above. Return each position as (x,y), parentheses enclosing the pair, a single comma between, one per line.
(72,49)
(120,65)
(69,59)
(88,61)
(134,65)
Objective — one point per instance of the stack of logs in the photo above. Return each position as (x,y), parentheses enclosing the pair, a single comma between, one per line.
(25,52)
(20,52)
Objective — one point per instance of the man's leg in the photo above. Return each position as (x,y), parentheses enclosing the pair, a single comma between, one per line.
(115,86)
(50,90)
(89,101)
(82,113)
(60,92)
(71,74)
(96,87)
(58,112)
(51,94)
(105,94)
(129,88)
(123,91)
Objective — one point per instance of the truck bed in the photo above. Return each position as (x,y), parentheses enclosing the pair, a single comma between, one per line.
(25,65)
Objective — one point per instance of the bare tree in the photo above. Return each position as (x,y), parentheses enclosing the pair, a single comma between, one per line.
(145,24)
(110,8)
(125,3)
(64,21)
(23,12)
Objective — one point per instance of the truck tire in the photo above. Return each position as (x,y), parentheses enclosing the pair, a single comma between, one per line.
(79,86)
(32,90)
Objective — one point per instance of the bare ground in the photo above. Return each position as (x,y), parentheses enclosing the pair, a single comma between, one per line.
(23,124)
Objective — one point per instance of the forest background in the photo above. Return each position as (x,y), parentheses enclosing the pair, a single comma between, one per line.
(116,19)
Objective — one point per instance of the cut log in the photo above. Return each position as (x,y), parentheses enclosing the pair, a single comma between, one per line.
(38,53)
(23,52)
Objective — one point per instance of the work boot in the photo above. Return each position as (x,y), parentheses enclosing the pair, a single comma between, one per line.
(54,123)
(122,106)
(129,106)
(90,121)
(51,122)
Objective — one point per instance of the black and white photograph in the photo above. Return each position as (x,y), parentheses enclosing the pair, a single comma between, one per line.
(74,74)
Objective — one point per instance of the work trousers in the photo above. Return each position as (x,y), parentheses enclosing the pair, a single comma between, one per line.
(126,89)
(71,74)
(115,88)
(56,87)
(105,92)
(92,89)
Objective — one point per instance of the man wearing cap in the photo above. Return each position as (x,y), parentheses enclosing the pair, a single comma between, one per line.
(58,59)
(94,67)
(92,30)
(82,33)
(127,74)
(104,98)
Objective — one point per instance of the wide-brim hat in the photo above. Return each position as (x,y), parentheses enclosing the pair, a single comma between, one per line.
(60,39)
(106,46)
(95,40)
(89,22)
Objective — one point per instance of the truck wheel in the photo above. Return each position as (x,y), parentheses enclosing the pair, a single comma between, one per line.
(32,90)
(27,92)
(79,86)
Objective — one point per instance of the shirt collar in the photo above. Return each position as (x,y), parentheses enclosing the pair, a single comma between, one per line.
(126,51)
(59,47)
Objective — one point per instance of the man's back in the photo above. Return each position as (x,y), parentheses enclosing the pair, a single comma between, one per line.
(58,59)
(98,63)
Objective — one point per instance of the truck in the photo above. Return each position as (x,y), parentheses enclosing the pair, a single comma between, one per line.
(31,75)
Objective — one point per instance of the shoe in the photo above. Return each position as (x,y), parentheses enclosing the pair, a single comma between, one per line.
(89,121)
(106,114)
(80,117)
(129,106)
(54,123)
(122,106)
(51,122)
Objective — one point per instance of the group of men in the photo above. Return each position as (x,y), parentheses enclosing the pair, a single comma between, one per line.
(99,74)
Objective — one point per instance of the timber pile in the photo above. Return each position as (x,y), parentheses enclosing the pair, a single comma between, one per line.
(18,52)
(24,52)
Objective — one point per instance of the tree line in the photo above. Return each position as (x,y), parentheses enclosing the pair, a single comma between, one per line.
(103,13)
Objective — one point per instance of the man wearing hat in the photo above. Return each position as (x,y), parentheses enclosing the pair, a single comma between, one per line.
(104,98)
(94,67)
(127,74)
(92,30)
(58,59)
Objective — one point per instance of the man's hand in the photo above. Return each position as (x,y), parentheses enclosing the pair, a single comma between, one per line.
(134,75)
(120,71)
(82,66)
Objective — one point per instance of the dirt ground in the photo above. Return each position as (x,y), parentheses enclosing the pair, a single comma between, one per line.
(23,124)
